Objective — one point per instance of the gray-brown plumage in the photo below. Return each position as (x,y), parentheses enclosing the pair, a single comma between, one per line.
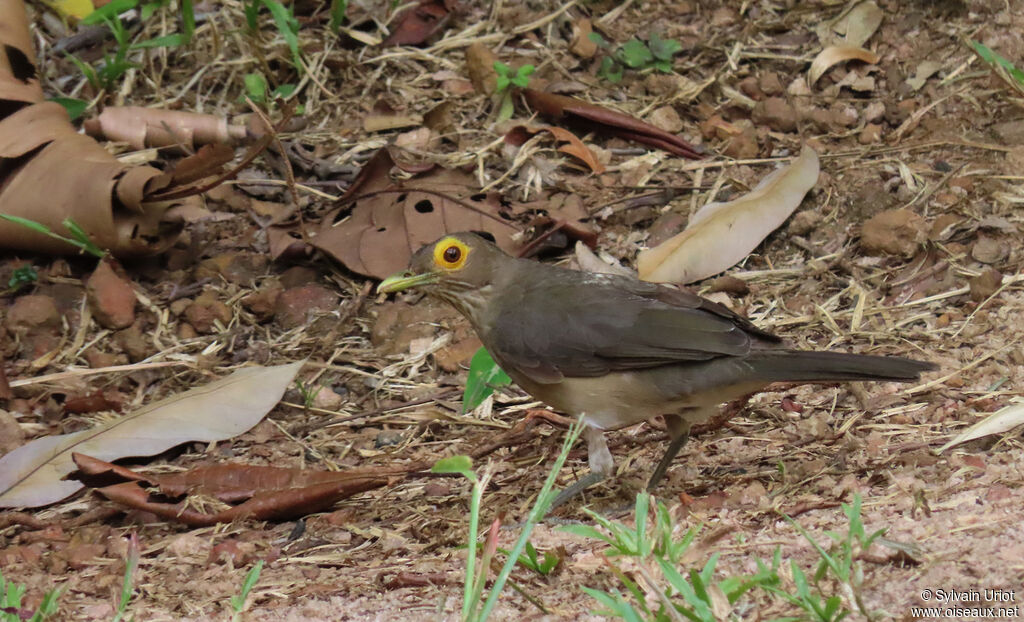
(616,349)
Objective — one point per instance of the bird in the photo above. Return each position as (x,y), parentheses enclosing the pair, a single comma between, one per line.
(616,350)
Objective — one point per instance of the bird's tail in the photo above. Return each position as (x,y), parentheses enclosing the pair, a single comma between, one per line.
(804,366)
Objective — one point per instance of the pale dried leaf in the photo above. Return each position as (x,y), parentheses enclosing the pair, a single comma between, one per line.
(925,70)
(721,234)
(590,262)
(1003,420)
(836,54)
(860,23)
(31,475)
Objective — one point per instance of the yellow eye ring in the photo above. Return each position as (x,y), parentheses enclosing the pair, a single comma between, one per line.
(450,254)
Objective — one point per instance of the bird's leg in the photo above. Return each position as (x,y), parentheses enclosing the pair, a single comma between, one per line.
(601,466)
(679,433)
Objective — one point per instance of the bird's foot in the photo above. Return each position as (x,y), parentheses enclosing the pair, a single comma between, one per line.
(585,482)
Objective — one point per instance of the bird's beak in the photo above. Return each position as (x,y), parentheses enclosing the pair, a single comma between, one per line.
(403,280)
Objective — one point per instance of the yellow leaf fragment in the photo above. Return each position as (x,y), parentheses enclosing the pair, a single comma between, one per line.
(721,234)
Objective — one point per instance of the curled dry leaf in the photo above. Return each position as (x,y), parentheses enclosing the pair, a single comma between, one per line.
(381,223)
(258,492)
(32,475)
(112,201)
(415,25)
(590,118)
(155,127)
(836,54)
(721,234)
(1003,420)
(573,145)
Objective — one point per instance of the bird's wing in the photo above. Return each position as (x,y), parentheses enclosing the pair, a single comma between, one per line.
(585,325)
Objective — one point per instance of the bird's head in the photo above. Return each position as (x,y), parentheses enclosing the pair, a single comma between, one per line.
(457,268)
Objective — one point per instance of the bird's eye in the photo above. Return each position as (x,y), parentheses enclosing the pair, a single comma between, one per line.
(452,254)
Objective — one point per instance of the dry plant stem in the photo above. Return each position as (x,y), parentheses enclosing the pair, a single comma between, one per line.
(271,131)
(251,155)
(76,373)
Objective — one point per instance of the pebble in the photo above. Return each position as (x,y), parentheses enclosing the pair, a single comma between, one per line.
(111,297)
(776,113)
(294,307)
(893,232)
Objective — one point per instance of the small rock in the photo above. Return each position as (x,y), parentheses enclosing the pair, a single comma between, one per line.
(436,489)
(770,84)
(186,331)
(730,285)
(804,222)
(989,250)
(386,438)
(454,355)
(326,398)
(111,297)
(237,267)
(776,113)
(666,118)
(296,276)
(743,146)
(750,87)
(11,434)
(944,227)
(894,232)
(134,343)
(178,306)
(205,311)
(843,115)
(985,284)
(399,324)
(874,111)
(1010,132)
(33,312)
(872,133)
(97,359)
(263,301)
(295,306)
(723,16)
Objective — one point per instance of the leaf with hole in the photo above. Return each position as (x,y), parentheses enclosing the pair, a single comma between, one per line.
(380,223)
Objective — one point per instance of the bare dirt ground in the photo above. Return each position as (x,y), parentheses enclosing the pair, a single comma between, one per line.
(948,148)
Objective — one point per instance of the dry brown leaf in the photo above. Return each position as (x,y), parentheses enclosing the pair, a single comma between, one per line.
(31,475)
(1003,420)
(836,54)
(156,127)
(415,25)
(480,67)
(573,145)
(109,199)
(721,234)
(381,223)
(260,492)
(582,45)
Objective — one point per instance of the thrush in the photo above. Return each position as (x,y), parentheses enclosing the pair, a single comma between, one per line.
(618,350)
